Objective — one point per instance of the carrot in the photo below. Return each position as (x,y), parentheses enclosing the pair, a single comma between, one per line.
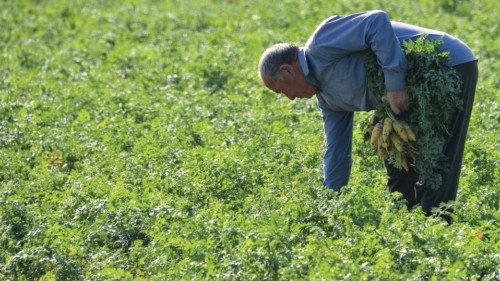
(409,132)
(377,130)
(399,128)
(397,142)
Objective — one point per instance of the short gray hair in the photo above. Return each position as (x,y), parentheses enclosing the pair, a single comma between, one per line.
(275,56)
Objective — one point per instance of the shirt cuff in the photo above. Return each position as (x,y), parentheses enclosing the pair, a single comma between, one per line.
(394,81)
(338,178)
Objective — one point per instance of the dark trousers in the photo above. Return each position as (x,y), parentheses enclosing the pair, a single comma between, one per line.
(406,182)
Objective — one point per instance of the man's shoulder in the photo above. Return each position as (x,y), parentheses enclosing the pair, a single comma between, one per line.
(320,29)
(339,24)
(349,17)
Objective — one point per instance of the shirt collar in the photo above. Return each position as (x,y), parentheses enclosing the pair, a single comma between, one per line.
(305,67)
(302,61)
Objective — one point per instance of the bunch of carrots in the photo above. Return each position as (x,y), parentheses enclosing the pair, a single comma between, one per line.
(393,140)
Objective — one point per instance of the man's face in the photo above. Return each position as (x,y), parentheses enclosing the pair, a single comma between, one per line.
(289,87)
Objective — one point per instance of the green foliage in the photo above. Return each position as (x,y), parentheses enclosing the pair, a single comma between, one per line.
(137,142)
(434,90)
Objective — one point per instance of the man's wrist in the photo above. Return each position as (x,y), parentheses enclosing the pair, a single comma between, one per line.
(394,81)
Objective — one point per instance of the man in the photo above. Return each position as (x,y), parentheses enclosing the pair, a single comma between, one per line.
(331,66)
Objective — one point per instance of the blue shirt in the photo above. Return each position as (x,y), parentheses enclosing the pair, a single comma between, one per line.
(332,60)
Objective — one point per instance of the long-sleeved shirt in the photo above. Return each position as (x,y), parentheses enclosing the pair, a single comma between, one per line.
(332,60)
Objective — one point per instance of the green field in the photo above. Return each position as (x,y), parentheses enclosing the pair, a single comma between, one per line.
(137,142)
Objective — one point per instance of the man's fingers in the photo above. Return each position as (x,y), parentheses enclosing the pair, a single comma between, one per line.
(405,104)
(395,109)
(398,101)
(392,103)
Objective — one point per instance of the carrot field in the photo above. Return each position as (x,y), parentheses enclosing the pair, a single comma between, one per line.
(137,142)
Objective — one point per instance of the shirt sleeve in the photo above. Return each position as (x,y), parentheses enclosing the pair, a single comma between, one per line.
(337,160)
(339,36)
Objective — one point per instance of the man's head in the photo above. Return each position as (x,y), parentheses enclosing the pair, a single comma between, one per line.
(280,71)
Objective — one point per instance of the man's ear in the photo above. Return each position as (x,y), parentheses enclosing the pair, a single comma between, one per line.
(287,70)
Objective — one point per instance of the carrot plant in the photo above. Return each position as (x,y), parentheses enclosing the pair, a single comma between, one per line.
(434,88)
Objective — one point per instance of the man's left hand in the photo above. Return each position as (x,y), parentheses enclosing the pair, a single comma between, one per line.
(398,100)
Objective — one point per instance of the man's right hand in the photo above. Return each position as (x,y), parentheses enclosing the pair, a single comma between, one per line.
(398,100)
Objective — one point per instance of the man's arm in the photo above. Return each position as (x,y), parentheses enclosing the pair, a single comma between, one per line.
(337,158)
(341,36)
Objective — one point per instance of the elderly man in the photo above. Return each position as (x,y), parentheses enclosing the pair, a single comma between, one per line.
(331,66)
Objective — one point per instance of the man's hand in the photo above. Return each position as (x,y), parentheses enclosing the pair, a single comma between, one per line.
(398,100)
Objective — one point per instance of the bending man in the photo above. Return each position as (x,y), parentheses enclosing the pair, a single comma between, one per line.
(331,67)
